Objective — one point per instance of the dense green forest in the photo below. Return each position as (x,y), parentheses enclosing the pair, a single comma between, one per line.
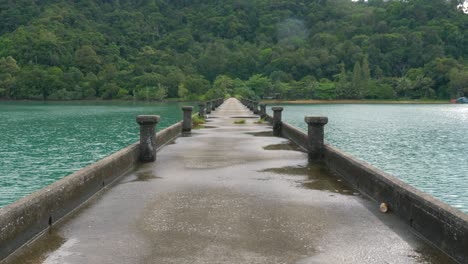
(200,49)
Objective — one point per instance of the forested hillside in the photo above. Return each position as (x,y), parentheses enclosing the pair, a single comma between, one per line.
(198,49)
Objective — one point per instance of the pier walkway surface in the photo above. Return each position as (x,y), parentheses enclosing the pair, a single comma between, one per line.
(229,193)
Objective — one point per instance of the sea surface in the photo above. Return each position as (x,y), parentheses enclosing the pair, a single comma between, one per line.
(41,142)
(423,145)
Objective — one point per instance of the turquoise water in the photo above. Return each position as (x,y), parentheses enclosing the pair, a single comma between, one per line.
(43,142)
(424,145)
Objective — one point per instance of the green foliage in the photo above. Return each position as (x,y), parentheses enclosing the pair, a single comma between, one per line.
(197,50)
(197,120)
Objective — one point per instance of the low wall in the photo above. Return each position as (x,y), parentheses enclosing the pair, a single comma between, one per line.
(442,225)
(26,218)
(168,134)
(294,134)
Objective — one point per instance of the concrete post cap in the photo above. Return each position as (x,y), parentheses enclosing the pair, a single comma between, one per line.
(319,120)
(187,108)
(147,119)
(277,108)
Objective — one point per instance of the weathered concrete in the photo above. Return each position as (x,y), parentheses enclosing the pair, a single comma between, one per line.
(201,110)
(262,110)
(147,137)
(255,107)
(208,107)
(229,194)
(315,135)
(187,118)
(277,120)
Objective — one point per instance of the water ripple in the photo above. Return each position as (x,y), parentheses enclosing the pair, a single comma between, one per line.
(43,142)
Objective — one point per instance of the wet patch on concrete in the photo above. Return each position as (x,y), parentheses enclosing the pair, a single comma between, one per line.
(318,178)
(218,225)
(145,176)
(284,146)
(37,251)
(428,254)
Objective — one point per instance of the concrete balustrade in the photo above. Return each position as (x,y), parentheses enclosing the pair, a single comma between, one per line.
(277,111)
(255,107)
(315,135)
(262,110)
(208,107)
(213,105)
(201,110)
(187,121)
(147,137)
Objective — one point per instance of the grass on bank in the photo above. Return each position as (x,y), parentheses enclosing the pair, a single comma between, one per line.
(197,121)
(260,121)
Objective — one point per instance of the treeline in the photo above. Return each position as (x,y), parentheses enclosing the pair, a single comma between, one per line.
(302,49)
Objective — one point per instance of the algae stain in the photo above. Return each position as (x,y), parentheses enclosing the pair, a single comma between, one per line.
(145,176)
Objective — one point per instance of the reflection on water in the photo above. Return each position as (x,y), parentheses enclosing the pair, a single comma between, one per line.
(424,145)
(43,142)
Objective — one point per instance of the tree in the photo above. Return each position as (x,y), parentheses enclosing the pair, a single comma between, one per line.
(8,71)
(458,82)
(259,84)
(87,59)
(356,87)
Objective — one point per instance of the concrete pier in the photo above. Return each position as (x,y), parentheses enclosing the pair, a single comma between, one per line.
(147,137)
(231,193)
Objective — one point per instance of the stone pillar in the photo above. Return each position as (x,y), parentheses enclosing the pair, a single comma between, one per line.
(262,110)
(201,110)
(277,120)
(208,107)
(213,105)
(315,136)
(147,137)
(255,107)
(187,121)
